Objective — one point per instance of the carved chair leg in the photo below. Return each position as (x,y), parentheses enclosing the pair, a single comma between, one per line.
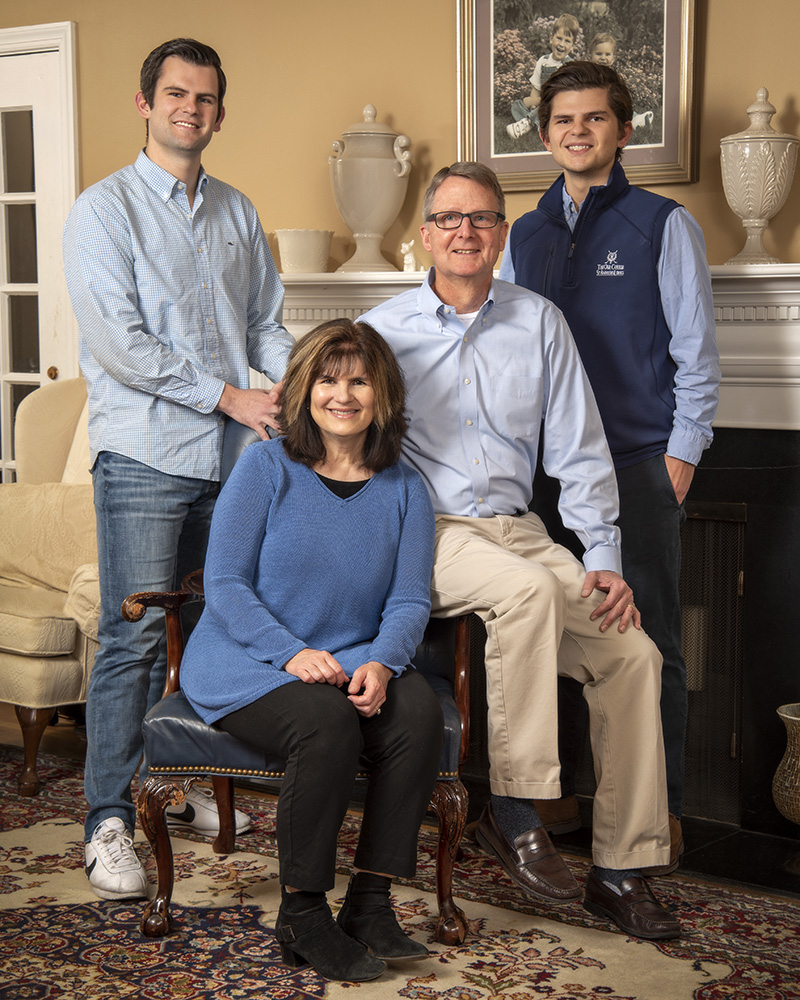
(449,802)
(158,792)
(223,793)
(32,722)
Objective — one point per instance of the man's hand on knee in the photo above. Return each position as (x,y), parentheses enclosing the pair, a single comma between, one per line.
(618,605)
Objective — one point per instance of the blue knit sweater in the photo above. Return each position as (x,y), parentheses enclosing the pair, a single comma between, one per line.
(291,565)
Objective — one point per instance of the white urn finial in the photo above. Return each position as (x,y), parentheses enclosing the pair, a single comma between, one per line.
(757,170)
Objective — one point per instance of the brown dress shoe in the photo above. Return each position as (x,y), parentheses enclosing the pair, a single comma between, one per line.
(632,907)
(559,815)
(531,861)
(675,850)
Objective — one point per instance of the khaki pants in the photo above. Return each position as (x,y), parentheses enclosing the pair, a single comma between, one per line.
(526,589)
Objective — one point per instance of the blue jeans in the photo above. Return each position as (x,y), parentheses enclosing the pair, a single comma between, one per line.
(152,529)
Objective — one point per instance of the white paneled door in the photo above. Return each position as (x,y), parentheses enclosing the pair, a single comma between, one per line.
(38,183)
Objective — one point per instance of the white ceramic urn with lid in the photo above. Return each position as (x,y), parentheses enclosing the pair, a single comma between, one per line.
(369,175)
(757,170)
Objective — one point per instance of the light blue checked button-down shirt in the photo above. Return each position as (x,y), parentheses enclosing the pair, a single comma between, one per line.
(173,301)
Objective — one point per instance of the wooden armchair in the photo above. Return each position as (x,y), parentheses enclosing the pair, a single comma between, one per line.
(181,749)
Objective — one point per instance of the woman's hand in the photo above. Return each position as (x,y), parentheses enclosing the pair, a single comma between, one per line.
(316,666)
(367,688)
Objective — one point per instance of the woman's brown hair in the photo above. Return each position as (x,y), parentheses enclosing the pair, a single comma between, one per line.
(334,348)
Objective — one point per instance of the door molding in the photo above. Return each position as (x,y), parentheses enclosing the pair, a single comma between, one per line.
(58,37)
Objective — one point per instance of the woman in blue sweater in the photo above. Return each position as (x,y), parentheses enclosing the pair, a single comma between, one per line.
(317,588)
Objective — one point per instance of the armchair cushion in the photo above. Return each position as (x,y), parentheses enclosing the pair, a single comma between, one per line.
(46,654)
(83,599)
(46,530)
(33,622)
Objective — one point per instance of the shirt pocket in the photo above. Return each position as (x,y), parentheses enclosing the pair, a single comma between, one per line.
(515,405)
(231,259)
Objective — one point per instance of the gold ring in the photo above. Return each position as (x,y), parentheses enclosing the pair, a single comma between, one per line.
(632,607)
(377,711)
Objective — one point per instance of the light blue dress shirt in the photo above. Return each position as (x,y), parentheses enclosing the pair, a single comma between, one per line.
(688,303)
(173,301)
(477,398)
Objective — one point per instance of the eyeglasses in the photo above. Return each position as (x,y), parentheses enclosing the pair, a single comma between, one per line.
(452,220)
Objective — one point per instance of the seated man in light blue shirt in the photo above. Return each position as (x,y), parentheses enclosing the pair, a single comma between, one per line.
(176,296)
(629,270)
(490,367)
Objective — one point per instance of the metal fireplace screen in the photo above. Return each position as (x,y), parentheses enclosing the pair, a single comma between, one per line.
(711,599)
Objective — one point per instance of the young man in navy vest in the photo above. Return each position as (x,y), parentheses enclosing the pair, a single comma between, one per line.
(629,271)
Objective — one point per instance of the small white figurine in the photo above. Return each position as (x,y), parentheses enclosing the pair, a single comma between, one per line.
(410,262)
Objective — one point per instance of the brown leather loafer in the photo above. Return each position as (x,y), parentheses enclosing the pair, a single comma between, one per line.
(635,910)
(559,815)
(675,850)
(531,861)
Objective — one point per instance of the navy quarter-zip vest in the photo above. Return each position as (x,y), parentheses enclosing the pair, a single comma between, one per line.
(604,278)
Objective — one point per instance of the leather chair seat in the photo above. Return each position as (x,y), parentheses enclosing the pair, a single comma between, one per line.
(179,742)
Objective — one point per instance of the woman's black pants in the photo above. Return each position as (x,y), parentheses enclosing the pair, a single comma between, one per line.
(325,743)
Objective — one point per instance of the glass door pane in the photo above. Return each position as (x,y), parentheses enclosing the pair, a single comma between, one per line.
(21,244)
(17,142)
(19,300)
(23,322)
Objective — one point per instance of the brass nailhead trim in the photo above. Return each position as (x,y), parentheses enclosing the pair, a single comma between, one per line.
(204,769)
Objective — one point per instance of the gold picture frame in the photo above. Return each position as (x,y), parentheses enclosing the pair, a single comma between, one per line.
(667,154)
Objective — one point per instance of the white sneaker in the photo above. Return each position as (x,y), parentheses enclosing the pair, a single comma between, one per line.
(517,129)
(198,813)
(114,870)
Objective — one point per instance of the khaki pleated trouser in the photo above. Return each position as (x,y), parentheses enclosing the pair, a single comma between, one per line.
(527,591)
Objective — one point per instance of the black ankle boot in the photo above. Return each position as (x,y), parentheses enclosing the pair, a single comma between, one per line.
(367,916)
(309,935)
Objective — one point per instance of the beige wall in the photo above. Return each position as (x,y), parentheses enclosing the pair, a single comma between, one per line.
(300,72)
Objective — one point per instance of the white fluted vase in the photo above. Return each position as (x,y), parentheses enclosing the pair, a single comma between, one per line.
(757,171)
(369,176)
(786,783)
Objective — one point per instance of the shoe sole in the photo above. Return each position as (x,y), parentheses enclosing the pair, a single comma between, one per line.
(390,958)
(600,911)
(108,894)
(294,960)
(486,846)
(190,828)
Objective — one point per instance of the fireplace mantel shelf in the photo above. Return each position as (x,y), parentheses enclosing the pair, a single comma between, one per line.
(756,307)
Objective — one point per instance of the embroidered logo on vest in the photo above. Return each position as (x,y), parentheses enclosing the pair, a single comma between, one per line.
(610,268)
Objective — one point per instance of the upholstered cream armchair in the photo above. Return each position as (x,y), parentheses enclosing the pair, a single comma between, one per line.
(49,593)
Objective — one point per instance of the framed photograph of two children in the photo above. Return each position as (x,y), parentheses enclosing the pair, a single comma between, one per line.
(507,48)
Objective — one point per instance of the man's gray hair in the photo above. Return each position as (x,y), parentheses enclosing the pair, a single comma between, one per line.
(472,171)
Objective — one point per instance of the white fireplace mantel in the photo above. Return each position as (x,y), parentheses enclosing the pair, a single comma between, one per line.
(756,308)
(757,312)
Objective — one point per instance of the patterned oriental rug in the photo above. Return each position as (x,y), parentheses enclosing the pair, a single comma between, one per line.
(59,942)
